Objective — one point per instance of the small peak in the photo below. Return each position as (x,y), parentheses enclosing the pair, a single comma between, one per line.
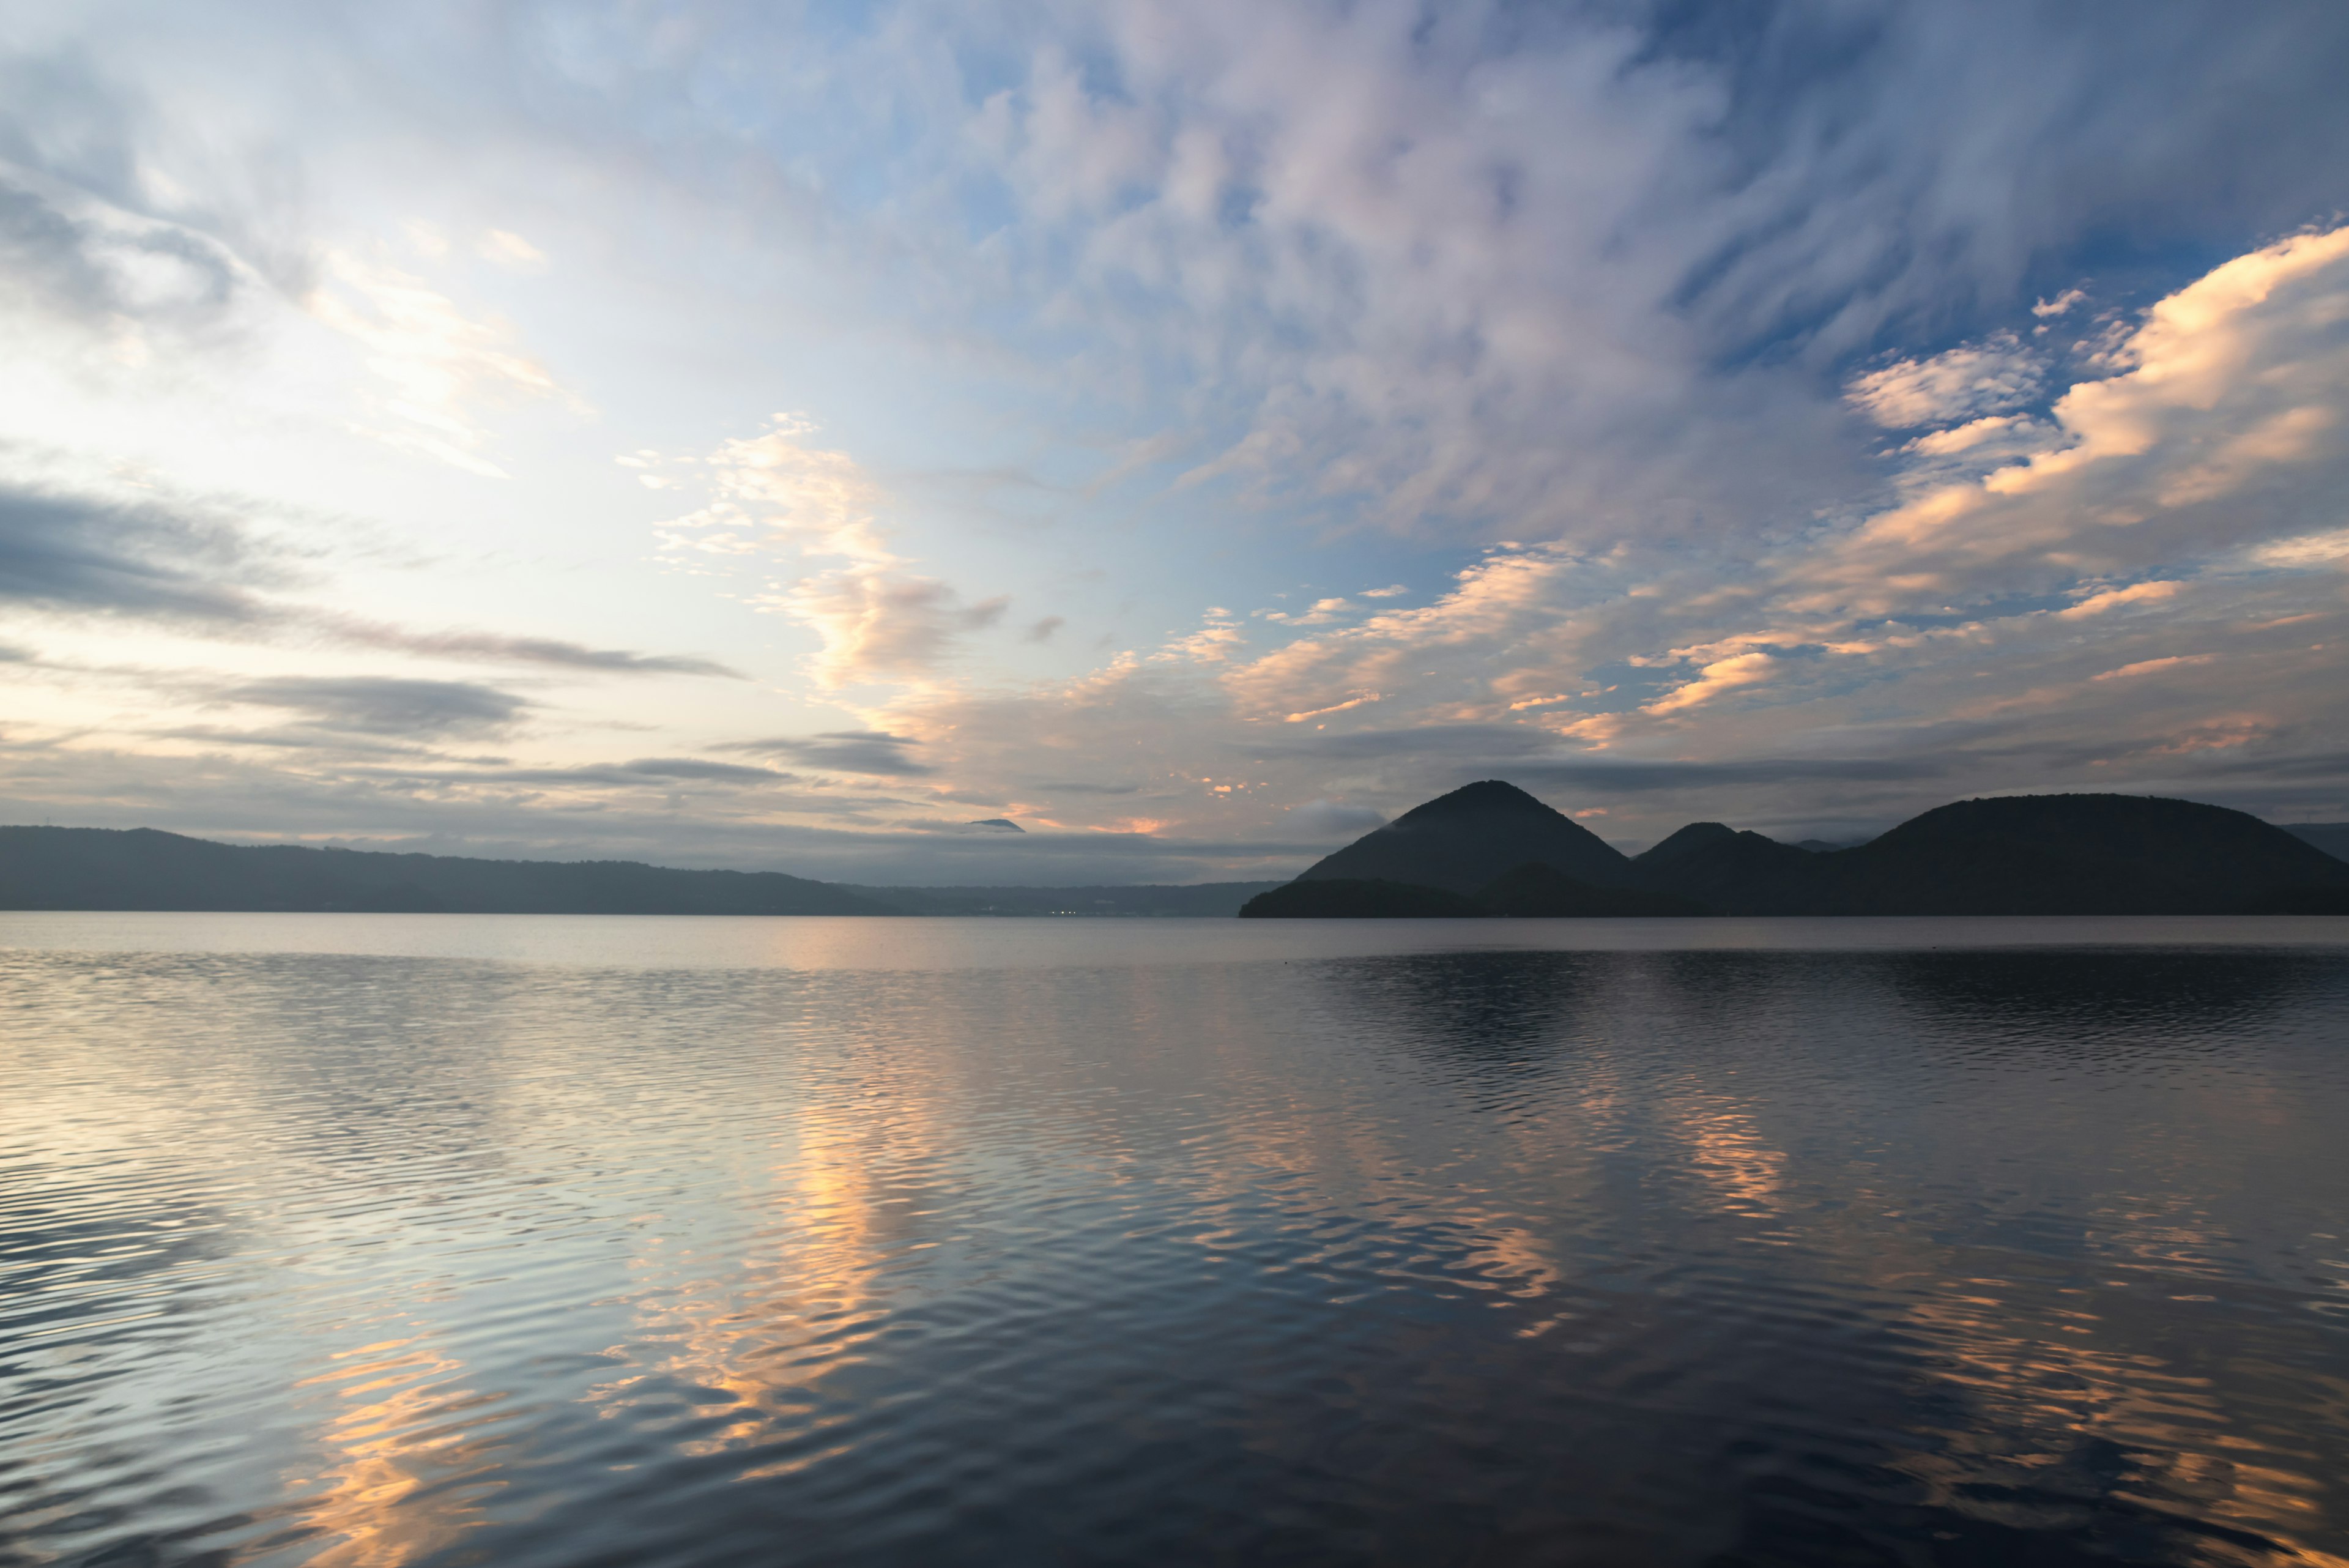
(1487,797)
(1696,836)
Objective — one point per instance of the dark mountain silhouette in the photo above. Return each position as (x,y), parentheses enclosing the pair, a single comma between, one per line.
(1462,841)
(2301,901)
(1357,898)
(1489,849)
(1727,871)
(1543,891)
(1696,836)
(1531,890)
(2016,855)
(101,868)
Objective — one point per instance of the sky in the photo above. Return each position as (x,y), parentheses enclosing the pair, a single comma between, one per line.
(798,436)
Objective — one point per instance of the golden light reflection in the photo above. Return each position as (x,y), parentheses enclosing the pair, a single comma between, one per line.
(1728,1153)
(375,1497)
(2052,1380)
(771,1321)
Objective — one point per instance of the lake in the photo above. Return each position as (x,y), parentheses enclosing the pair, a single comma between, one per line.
(372,1241)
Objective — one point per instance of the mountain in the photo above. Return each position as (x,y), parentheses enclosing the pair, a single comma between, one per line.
(104,869)
(1544,892)
(1696,836)
(1462,841)
(1531,890)
(1196,899)
(1358,898)
(2015,855)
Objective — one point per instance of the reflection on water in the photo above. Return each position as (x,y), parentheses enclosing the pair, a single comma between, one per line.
(1403,1251)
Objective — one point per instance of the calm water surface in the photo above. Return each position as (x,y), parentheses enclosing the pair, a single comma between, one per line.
(377,1240)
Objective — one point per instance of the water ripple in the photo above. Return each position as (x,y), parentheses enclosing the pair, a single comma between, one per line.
(1151,1247)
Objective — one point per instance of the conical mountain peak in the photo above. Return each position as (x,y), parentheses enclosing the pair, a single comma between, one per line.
(1462,841)
(1484,798)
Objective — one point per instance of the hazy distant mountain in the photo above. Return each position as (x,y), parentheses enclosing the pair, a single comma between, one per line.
(1196,899)
(1489,849)
(102,869)
(2332,837)
(1462,841)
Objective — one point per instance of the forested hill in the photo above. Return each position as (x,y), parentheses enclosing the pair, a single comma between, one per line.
(140,868)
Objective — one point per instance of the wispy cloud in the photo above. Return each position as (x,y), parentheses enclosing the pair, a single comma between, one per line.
(1833,368)
(118,555)
(376,705)
(874,752)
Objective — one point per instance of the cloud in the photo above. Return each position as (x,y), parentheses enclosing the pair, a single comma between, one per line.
(880,625)
(874,752)
(1963,384)
(98,266)
(2219,420)
(1945,642)
(196,564)
(1042,631)
(1634,777)
(498,647)
(62,551)
(512,251)
(875,619)
(1334,819)
(1722,675)
(438,364)
(2153,666)
(655,772)
(374,705)
(2306,551)
(1632,285)
(791,494)
(1068,787)
(2098,602)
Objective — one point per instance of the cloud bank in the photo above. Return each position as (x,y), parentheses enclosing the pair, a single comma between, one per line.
(1217,428)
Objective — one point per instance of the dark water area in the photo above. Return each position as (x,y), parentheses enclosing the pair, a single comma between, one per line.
(389,1241)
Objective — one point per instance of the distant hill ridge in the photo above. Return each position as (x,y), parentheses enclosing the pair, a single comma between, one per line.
(2012,854)
(141,868)
(1489,847)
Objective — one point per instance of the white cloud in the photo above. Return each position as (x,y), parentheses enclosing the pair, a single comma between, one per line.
(2308,550)
(879,624)
(779,494)
(1721,675)
(512,251)
(2098,602)
(439,363)
(2155,666)
(1963,384)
